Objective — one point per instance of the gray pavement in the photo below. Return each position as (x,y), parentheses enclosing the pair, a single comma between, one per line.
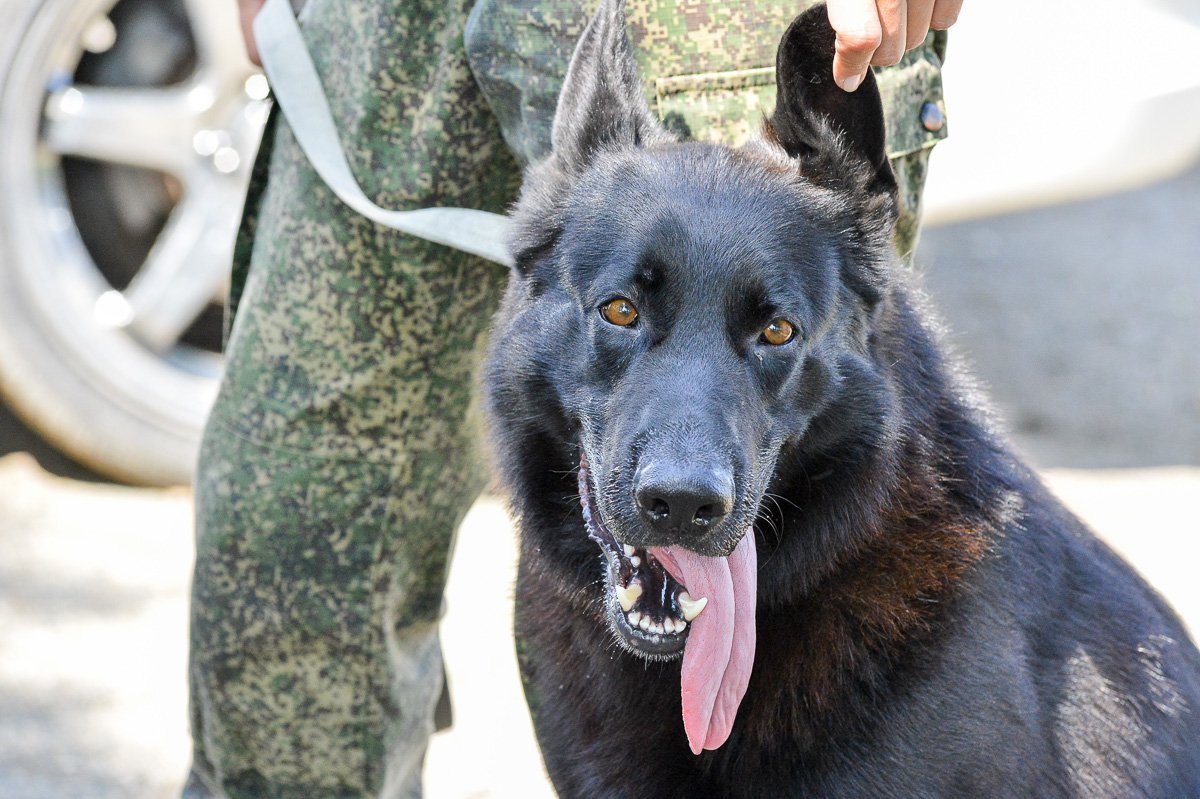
(1083,321)
(92,636)
(93,617)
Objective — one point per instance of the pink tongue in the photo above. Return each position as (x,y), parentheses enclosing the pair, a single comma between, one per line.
(720,647)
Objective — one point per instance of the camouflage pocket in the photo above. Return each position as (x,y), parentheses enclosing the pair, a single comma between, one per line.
(913,108)
(728,107)
(915,116)
(718,107)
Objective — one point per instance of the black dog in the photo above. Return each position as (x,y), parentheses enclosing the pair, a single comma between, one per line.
(711,371)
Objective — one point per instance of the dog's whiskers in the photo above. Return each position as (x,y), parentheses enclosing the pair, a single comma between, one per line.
(780,498)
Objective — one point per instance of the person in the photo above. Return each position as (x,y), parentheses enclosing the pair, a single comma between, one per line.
(341,452)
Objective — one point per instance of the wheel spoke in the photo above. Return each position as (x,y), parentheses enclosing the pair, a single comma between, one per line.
(218,36)
(151,128)
(186,269)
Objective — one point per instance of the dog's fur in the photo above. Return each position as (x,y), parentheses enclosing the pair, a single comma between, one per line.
(931,621)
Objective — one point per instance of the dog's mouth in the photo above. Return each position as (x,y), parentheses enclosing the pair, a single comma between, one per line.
(648,609)
(651,614)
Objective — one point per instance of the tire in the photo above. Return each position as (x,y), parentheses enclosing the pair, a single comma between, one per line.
(129,130)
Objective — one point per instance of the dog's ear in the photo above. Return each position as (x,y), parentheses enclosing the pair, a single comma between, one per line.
(838,136)
(601,105)
(601,108)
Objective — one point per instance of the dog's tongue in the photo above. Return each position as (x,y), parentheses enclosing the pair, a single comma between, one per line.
(720,647)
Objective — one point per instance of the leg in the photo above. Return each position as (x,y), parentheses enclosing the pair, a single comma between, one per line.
(340,455)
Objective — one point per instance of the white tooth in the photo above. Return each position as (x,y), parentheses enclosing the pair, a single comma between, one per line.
(658,628)
(691,607)
(627,595)
(669,625)
(646,624)
(629,551)
(680,625)
(634,618)
(636,561)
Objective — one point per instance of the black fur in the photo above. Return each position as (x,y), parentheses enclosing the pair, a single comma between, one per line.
(931,622)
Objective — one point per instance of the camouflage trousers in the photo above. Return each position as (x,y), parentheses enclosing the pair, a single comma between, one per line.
(342,452)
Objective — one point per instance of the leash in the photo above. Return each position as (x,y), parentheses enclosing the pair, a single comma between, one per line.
(297,89)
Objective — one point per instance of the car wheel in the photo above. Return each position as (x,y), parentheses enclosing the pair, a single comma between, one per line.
(129,130)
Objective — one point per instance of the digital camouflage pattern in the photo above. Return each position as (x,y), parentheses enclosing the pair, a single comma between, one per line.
(905,90)
(708,67)
(341,454)
(519,50)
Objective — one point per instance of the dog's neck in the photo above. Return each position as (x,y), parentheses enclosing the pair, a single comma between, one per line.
(884,530)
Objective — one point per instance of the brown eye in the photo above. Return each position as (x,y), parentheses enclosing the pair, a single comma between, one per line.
(779,332)
(619,312)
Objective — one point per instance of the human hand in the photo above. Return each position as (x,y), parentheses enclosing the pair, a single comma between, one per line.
(879,32)
(248,10)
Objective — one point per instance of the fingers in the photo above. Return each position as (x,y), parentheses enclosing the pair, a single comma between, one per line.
(919,14)
(870,33)
(945,14)
(879,32)
(859,35)
(893,19)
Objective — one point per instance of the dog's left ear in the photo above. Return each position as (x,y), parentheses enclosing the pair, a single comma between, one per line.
(838,136)
(601,105)
(601,109)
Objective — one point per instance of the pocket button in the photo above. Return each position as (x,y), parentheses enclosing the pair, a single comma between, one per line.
(932,117)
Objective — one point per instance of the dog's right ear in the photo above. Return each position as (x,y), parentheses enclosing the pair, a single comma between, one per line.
(838,139)
(838,136)
(602,105)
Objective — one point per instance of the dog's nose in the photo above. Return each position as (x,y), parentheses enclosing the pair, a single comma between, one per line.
(683,498)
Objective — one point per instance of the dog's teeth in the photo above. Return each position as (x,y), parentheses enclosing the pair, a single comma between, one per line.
(629,551)
(627,595)
(691,607)
(680,625)
(634,618)
(658,628)
(636,561)
(669,625)
(646,624)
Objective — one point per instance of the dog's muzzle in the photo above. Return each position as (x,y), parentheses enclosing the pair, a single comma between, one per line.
(647,608)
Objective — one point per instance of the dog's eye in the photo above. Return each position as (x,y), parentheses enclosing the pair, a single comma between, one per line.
(620,312)
(779,332)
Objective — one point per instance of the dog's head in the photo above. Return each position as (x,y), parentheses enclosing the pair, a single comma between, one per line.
(682,313)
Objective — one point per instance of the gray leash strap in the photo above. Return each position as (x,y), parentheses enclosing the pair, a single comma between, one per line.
(298,90)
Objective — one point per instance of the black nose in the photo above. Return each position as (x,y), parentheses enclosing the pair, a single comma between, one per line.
(683,498)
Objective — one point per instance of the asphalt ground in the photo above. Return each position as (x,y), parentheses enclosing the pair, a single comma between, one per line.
(93,610)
